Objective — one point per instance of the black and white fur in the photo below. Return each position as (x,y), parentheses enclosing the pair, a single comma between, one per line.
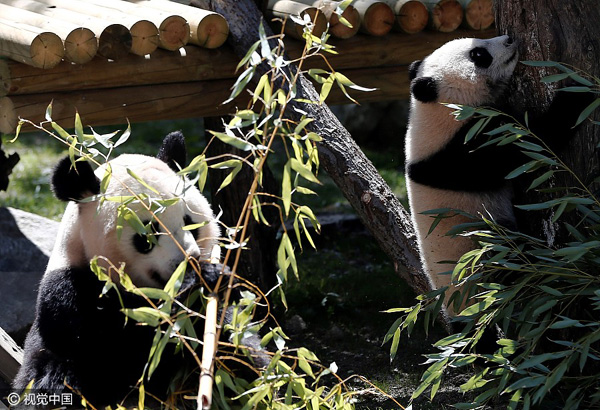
(81,339)
(444,172)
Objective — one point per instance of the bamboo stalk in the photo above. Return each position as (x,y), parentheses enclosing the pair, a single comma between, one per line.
(174,31)
(283,9)
(80,43)
(114,40)
(207,29)
(445,15)
(479,14)
(411,15)
(209,350)
(144,33)
(11,357)
(376,17)
(30,45)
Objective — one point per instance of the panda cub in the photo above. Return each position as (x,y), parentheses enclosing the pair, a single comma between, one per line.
(83,340)
(445,172)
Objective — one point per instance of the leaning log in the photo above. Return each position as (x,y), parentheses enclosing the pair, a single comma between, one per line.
(30,45)
(341,158)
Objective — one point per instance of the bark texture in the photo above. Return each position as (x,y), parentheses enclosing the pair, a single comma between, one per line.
(340,157)
(556,30)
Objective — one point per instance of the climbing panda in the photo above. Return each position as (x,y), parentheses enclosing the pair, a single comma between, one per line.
(80,340)
(445,172)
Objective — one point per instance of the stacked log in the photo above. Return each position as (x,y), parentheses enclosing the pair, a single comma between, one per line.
(411,15)
(376,17)
(479,14)
(282,10)
(445,15)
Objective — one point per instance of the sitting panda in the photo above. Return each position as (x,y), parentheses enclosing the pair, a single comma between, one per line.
(82,340)
(445,172)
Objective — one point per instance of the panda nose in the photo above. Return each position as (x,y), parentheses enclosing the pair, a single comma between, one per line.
(508,41)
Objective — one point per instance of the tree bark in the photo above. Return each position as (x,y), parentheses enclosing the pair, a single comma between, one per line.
(567,32)
(340,157)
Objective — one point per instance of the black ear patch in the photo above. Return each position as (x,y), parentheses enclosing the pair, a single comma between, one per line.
(424,89)
(74,183)
(413,68)
(173,151)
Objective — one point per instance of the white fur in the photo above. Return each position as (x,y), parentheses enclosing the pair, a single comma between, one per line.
(431,127)
(90,229)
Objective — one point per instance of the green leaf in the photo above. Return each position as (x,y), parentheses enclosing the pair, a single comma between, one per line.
(234,141)
(141,181)
(146,315)
(286,187)
(587,111)
(156,351)
(303,170)
(541,179)
(176,279)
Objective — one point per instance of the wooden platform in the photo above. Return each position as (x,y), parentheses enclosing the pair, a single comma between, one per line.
(193,82)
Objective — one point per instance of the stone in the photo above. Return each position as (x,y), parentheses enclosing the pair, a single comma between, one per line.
(26,241)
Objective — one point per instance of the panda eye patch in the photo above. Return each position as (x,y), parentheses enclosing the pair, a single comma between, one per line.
(187,220)
(145,243)
(481,57)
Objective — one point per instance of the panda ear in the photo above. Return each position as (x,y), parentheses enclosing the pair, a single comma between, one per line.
(424,89)
(413,68)
(172,151)
(72,183)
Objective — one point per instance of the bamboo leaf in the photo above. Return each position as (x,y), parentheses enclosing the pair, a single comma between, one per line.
(587,111)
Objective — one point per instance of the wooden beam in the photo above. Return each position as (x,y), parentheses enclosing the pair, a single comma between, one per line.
(195,64)
(11,357)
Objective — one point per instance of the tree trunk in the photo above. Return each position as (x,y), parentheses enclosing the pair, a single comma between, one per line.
(340,157)
(567,32)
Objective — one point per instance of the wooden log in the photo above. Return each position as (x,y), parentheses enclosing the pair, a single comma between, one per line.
(80,43)
(11,357)
(111,106)
(336,27)
(8,115)
(207,29)
(174,31)
(283,9)
(411,15)
(479,14)
(114,40)
(376,17)
(5,80)
(30,45)
(445,15)
(144,33)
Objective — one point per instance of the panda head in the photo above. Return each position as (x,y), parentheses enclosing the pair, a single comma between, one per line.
(91,227)
(465,71)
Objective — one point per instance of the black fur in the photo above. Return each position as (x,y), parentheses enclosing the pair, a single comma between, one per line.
(84,340)
(424,89)
(74,183)
(173,151)
(461,166)
(481,57)
(413,68)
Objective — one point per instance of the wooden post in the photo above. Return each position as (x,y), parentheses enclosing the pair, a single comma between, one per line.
(479,14)
(114,40)
(209,349)
(411,15)
(376,17)
(11,357)
(445,15)
(30,45)
(174,31)
(144,33)
(80,43)
(207,29)
(284,8)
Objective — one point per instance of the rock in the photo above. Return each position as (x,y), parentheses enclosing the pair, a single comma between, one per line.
(26,241)
(295,325)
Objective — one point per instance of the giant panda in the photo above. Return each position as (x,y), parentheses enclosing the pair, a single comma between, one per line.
(80,341)
(442,171)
